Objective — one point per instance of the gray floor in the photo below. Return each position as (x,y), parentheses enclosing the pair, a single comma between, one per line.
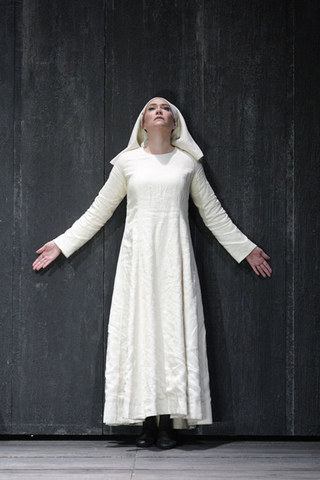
(115,460)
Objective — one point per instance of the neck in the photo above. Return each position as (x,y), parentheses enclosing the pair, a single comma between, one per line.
(159,143)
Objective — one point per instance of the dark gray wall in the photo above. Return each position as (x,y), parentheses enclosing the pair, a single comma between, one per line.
(7,189)
(306,217)
(75,76)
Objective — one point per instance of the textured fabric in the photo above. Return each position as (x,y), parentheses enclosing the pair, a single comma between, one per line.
(180,137)
(156,355)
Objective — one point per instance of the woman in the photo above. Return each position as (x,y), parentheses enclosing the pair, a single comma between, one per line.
(156,356)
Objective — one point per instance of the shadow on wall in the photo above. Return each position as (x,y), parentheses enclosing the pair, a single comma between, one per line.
(217,352)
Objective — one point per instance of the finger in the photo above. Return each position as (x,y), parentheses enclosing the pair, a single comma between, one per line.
(47,259)
(266,268)
(264,273)
(36,266)
(264,255)
(255,270)
(36,263)
(39,263)
(41,249)
(261,271)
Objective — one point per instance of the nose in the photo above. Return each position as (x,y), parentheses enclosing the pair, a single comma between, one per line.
(158,110)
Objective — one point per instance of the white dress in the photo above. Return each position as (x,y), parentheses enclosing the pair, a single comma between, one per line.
(156,354)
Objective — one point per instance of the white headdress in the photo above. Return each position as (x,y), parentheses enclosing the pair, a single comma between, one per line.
(180,137)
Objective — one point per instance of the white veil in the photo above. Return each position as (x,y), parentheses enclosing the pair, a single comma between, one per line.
(180,137)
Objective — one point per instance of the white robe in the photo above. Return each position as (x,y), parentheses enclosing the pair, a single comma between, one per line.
(156,354)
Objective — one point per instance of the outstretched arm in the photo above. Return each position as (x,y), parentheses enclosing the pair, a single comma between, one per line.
(217,220)
(257,259)
(49,252)
(88,224)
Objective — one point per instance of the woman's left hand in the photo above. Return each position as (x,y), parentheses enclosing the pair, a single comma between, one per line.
(258,261)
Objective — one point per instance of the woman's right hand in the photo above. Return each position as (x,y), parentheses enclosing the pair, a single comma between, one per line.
(49,252)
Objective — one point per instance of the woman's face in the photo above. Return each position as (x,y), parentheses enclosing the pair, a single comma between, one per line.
(158,114)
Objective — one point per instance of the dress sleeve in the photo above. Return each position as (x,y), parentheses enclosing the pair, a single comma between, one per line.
(109,197)
(216,219)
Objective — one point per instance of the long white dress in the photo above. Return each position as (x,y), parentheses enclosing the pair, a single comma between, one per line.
(156,354)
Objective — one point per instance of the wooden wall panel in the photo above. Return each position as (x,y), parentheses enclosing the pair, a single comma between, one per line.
(7,207)
(245,94)
(58,333)
(306,259)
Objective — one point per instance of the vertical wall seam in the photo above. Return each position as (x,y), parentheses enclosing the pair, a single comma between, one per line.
(17,179)
(290,234)
(202,87)
(12,249)
(104,176)
(293,227)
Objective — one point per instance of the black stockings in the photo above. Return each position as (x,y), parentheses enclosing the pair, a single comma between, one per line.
(149,434)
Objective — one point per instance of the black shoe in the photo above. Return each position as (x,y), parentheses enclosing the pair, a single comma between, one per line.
(145,440)
(165,442)
(149,433)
